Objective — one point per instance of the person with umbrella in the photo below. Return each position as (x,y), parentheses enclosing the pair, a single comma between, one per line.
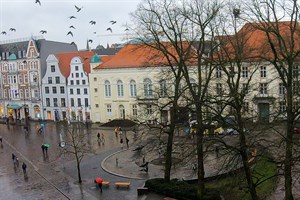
(99,182)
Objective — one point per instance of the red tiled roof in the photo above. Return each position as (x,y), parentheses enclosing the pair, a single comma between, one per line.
(253,41)
(137,55)
(64,60)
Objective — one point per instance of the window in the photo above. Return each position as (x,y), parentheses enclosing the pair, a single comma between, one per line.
(120,88)
(52,68)
(25,78)
(245,72)
(78,91)
(96,90)
(163,88)
(72,102)
(147,87)
(48,102)
(132,88)
(77,82)
(83,82)
(97,105)
(54,90)
(81,74)
(63,102)
(107,89)
(86,102)
(55,102)
(245,107)
(95,78)
(71,91)
(79,102)
(72,75)
(281,89)
(77,75)
(282,107)
(219,90)
(134,110)
(46,90)
(295,71)
(62,89)
(57,79)
(72,82)
(108,109)
(263,88)
(218,72)
(296,87)
(76,68)
(49,80)
(149,109)
(85,91)
(20,78)
(263,71)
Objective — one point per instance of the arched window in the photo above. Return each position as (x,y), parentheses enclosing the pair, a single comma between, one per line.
(132,88)
(120,88)
(147,87)
(107,89)
(163,88)
(122,112)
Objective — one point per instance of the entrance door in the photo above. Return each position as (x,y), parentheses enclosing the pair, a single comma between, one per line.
(264,112)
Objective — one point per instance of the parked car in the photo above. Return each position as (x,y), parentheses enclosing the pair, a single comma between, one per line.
(231,131)
(297,130)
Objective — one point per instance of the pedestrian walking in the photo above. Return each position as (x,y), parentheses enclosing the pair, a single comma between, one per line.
(13,156)
(121,142)
(1,139)
(98,136)
(16,162)
(43,149)
(46,150)
(127,141)
(116,132)
(24,167)
(100,186)
(7,121)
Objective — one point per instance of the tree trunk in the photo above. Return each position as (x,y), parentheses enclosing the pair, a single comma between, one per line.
(168,158)
(201,172)
(78,170)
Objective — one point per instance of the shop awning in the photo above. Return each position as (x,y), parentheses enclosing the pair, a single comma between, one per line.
(14,106)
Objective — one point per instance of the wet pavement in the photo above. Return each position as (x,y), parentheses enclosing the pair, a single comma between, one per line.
(55,176)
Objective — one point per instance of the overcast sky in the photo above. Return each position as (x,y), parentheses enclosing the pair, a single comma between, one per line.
(29,18)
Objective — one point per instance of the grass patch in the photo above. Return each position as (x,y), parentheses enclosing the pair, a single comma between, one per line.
(235,185)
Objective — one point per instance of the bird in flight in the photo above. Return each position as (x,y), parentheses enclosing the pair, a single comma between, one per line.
(72,43)
(92,22)
(3,33)
(70,33)
(12,29)
(77,8)
(38,1)
(127,29)
(91,41)
(113,22)
(109,29)
(43,31)
(72,27)
(24,62)
(72,17)
(95,32)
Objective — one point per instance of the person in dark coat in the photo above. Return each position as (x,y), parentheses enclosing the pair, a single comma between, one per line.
(24,167)
(43,149)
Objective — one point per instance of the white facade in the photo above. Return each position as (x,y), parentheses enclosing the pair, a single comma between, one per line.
(55,98)
(78,91)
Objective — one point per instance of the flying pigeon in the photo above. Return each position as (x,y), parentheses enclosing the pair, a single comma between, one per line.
(127,29)
(92,22)
(3,33)
(72,27)
(72,17)
(43,31)
(109,29)
(77,8)
(113,22)
(72,43)
(70,33)
(91,41)
(12,29)
(38,1)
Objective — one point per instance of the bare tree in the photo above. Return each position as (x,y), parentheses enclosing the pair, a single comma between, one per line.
(76,145)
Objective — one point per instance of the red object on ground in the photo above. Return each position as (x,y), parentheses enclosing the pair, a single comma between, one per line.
(98,180)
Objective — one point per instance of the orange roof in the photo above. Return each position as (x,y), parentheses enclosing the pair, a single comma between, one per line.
(64,60)
(253,41)
(138,55)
